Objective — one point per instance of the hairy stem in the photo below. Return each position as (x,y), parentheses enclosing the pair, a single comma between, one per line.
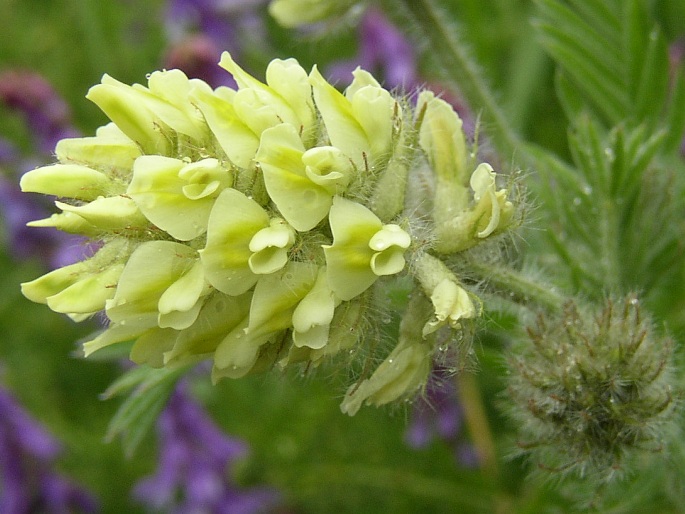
(519,287)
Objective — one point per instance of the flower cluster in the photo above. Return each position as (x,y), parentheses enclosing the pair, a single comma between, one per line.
(253,225)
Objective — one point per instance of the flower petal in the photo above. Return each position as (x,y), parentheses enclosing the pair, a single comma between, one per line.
(233,222)
(300,201)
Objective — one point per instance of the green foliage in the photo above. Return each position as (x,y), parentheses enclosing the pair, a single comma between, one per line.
(616,211)
(613,60)
(148,390)
(614,216)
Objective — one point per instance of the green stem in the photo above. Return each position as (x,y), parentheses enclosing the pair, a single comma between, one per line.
(441,37)
(471,402)
(477,422)
(520,287)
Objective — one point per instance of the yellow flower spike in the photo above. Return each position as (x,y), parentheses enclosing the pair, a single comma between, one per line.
(82,287)
(261,106)
(108,213)
(273,303)
(242,243)
(451,304)
(238,141)
(219,316)
(300,200)
(389,244)
(363,248)
(148,292)
(376,110)
(402,373)
(110,151)
(67,181)
(175,195)
(313,315)
(493,205)
(270,247)
(441,137)
(126,107)
(68,222)
(344,129)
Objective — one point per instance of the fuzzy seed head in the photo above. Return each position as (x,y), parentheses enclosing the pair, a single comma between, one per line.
(592,389)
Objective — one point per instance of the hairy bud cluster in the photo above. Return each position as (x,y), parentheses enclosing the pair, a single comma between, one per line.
(250,226)
(592,389)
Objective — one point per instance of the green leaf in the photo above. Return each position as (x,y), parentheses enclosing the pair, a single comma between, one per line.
(148,390)
(614,58)
(675,120)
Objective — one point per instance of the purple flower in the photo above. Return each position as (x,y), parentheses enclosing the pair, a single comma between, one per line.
(184,16)
(46,113)
(386,52)
(55,248)
(197,56)
(438,415)
(48,119)
(383,51)
(27,454)
(199,30)
(195,458)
